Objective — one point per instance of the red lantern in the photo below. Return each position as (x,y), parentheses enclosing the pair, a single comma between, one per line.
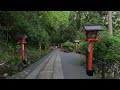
(91,36)
(22,41)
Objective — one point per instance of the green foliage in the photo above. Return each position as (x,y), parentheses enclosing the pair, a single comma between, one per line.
(48,27)
(83,46)
(106,49)
(105,37)
(32,53)
(99,51)
(80,35)
(69,45)
(101,47)
(111,46)
(52,26)
(113,53)
(23,22)
(13,59)
(1,57)
(55,18)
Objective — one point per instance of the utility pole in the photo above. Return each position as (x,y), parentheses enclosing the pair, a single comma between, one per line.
(110,22)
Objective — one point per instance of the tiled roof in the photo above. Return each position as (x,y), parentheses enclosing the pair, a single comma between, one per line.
(90,27)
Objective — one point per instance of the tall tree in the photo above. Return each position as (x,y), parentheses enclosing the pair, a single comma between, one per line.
(78,20)
(110,22)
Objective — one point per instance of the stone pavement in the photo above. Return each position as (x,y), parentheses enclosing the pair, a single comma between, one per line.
(56,65)
(49,68)
(71,66)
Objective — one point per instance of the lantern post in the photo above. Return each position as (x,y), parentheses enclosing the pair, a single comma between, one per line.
(40,47)
(76,45)
(91,36)
(21,42)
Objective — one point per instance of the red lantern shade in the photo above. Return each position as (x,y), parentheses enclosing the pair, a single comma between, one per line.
(22,39)
(92,32)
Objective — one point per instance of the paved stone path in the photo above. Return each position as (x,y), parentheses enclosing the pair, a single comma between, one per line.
(49,68)
(56,65)
(71,66)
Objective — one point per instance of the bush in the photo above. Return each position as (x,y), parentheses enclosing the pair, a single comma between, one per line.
(14,59)
(1,56)
(83,46)
(108,48)
(69,45)
(99,50)
(105,38)
(113,53)
(111,49)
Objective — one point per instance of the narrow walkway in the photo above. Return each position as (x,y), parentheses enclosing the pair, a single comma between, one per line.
(56,65)
(49,68)
(71,66)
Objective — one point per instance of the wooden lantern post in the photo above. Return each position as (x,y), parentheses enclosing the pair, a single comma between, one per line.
(22,41)
(91,36)
(76,45)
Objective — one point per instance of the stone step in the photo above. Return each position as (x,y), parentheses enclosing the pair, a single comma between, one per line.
(36,71)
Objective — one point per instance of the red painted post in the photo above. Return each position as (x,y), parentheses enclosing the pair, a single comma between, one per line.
(22,41)
(90,57)
(22,51)
(91,36)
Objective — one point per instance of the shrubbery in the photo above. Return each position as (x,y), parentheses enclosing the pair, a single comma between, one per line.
(108,48)
(113,52)
(83,46)
(10,55)
(69,45)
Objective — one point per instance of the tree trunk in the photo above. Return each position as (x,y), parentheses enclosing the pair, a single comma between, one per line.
(110,22)
(78,20)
